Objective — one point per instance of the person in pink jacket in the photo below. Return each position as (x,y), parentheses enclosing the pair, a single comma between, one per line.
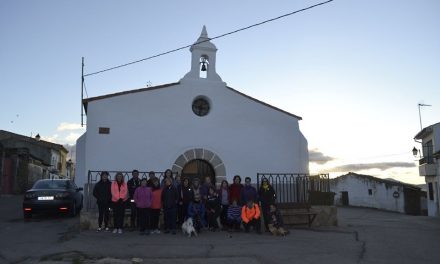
(119,197)
(142,198)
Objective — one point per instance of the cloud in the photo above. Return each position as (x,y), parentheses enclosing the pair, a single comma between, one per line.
(368,166)
(72,152)
(72,137)
(53,138)
(69,126)
(318,157)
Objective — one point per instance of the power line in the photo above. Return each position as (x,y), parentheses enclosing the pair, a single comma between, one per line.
(216,37)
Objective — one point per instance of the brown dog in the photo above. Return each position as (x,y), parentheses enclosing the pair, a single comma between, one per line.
(277,231)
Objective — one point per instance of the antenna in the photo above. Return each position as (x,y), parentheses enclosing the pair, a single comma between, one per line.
(82,92)
(420,116)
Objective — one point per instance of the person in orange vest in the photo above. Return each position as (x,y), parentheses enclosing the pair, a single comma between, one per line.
(250,214)
(119,191)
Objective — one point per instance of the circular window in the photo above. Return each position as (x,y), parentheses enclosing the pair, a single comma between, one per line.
(200,106)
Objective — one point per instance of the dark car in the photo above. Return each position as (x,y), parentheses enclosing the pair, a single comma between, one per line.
(53,196)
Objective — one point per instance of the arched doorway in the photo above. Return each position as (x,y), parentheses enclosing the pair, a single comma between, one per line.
(205,155)
(198,168)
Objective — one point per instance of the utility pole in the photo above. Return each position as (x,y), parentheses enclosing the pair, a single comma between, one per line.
(82,92)
(420,116)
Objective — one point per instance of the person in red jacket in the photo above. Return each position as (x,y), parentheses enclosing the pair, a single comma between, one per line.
(119,197)
(156,205)
(250,214)
(235,190)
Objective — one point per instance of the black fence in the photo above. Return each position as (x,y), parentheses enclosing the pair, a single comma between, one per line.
(94,176)
(295,187)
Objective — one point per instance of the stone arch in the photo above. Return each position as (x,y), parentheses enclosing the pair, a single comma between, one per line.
(202,154)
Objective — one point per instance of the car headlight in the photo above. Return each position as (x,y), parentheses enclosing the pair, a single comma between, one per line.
(61,195)
(30,195)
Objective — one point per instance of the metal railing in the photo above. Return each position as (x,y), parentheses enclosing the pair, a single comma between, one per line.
(295,187)
(427,160)
(94,176)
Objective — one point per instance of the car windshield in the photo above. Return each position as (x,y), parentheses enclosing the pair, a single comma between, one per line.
(51,185)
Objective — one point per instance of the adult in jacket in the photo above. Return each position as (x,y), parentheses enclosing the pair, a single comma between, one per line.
(235,190)
(119,197)
(250,214)
(186,195)
(142,198)
(248,192)
(103,194)
(133,184)
(267,196)
(170,199)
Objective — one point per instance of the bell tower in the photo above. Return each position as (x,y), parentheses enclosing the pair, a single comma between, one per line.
(203,54)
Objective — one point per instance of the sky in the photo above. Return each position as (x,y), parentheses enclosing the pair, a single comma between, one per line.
(355,71)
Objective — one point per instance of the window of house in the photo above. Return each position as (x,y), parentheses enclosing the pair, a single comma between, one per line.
(370,192)
(104,130)
(430,191)
(428,151)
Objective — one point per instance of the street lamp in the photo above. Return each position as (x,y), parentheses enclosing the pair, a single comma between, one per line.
(415,151)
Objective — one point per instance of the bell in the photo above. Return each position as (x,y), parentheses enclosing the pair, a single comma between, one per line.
(203,66)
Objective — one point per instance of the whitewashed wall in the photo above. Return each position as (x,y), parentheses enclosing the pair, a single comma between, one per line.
(80,165)
(433,205)
(357,188)
(150,129)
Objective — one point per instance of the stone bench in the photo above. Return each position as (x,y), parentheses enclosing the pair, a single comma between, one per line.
(297,213)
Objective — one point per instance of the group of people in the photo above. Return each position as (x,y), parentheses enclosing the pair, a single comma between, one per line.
(228,207)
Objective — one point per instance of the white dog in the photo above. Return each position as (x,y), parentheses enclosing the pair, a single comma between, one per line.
(188,227)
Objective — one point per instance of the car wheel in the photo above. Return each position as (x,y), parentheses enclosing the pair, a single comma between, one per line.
(73,209)
(27,215)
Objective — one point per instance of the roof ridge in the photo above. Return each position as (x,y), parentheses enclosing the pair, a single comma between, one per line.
(264,103)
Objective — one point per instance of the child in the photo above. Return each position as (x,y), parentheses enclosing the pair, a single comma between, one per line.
(276,222)
(234,216)
(156,205)
(250,214)
(196,210)
(142,199)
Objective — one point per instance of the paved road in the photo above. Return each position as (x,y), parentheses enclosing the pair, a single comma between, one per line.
(363,236)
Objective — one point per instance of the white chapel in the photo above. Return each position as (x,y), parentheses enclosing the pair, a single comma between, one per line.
(197,126)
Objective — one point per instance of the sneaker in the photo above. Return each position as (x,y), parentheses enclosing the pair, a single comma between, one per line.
(99,229)
(107,229)
(157,231)
(119,231)
(115,231)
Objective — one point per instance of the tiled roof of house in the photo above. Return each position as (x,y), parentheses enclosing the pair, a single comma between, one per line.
(426,131)
(6,135)
(372,178)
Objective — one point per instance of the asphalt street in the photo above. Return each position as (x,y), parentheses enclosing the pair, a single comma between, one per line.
(363,236)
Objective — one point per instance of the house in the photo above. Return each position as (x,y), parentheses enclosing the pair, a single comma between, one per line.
(25,159)
(368,191)
(429,164)
(197,127)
